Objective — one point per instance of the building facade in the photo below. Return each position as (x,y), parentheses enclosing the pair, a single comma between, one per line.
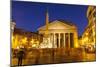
(55,34)
(89,34)
(62,34)
(25,39)
(13,24)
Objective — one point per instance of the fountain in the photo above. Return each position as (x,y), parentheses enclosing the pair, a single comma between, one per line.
(46,38)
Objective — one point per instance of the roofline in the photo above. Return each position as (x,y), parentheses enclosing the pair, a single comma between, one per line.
(71,24)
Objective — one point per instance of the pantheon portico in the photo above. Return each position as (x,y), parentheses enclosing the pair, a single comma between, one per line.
(62,34)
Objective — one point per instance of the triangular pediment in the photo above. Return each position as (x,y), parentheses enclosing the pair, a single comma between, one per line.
(58,25)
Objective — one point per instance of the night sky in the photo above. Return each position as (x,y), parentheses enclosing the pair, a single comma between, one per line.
(31,15)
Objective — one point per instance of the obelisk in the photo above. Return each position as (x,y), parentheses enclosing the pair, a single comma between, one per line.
(46,39)
(47,23)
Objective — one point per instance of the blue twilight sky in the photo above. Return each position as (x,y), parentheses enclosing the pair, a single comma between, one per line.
(31,15)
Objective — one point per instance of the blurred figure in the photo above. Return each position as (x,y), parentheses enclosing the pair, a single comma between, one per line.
(20,56)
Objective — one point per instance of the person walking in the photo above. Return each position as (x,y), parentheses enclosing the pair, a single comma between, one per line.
(20,56)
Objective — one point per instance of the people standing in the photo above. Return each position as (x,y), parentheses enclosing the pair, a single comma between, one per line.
(20,56)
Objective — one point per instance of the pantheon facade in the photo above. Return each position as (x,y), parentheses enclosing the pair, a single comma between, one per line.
(62,34)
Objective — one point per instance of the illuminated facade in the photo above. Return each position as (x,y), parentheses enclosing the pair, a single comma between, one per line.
(24,39)
(61,33)
(58,34)
(89,35)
